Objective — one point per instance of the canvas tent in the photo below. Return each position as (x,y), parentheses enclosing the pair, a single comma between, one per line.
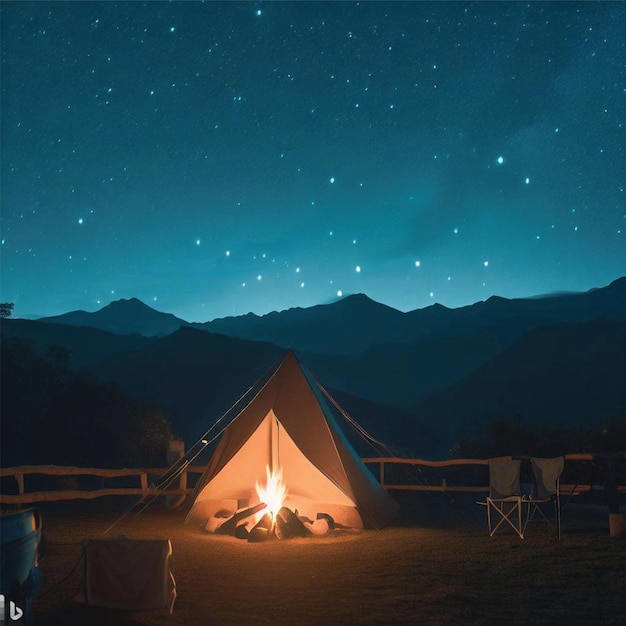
(289,426)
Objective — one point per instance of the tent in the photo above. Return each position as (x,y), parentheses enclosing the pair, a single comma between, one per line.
(288,426)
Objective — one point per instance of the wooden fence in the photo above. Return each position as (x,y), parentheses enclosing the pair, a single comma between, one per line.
(19,473)
(609,484)
(144,489)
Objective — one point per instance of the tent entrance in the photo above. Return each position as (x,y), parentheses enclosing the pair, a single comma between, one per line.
(271,446)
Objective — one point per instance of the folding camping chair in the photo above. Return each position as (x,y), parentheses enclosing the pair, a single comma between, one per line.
(545,490)
(505,499)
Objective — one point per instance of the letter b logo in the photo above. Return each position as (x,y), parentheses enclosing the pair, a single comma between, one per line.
(15,612)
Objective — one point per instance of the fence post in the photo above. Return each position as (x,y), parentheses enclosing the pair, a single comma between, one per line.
(610,485)
(175,452)
(382,473)
(144,483)
(19,477)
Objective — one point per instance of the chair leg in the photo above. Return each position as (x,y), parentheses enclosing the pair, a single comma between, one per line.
(536,507)
(505,516)
(557,517)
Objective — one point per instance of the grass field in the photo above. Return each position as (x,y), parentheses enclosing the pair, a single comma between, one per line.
(435,566)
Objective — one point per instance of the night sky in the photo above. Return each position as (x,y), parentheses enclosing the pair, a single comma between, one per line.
(217,158)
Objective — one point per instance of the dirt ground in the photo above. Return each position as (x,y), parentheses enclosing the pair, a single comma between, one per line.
(437,565)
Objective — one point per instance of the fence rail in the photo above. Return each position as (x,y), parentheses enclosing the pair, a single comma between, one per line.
(23,497)
(145,489)
(610,487)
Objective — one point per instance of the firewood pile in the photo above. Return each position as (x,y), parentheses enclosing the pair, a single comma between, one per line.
(243,524)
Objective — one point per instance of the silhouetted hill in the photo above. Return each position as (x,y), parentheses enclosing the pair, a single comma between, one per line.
(123,317)
(559,374)
(346,326)
(513,317)
(400,375)
(357,324)
(86,346)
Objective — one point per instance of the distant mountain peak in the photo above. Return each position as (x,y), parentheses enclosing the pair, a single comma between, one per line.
(496,299)
(357,297)
(127,303)
(123,316)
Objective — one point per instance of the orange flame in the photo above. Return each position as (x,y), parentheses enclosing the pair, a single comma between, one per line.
(273,494)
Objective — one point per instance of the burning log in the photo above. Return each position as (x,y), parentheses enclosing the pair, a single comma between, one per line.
(263,530)
(328,518)
(213,523)
(242,532)
(281,530)
(288,525)
(229,526)
(276,520)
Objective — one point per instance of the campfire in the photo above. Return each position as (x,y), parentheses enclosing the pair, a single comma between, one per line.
(273,494)
(269,518)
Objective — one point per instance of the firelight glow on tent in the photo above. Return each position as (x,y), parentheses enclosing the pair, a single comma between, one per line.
(289,427)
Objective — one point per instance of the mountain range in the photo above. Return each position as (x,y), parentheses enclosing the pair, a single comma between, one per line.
(356,323)
(418,378)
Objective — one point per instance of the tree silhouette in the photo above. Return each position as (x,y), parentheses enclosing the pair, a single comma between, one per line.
(6,309)
(53,414)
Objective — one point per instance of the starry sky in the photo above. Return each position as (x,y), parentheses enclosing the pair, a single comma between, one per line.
(217,158)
